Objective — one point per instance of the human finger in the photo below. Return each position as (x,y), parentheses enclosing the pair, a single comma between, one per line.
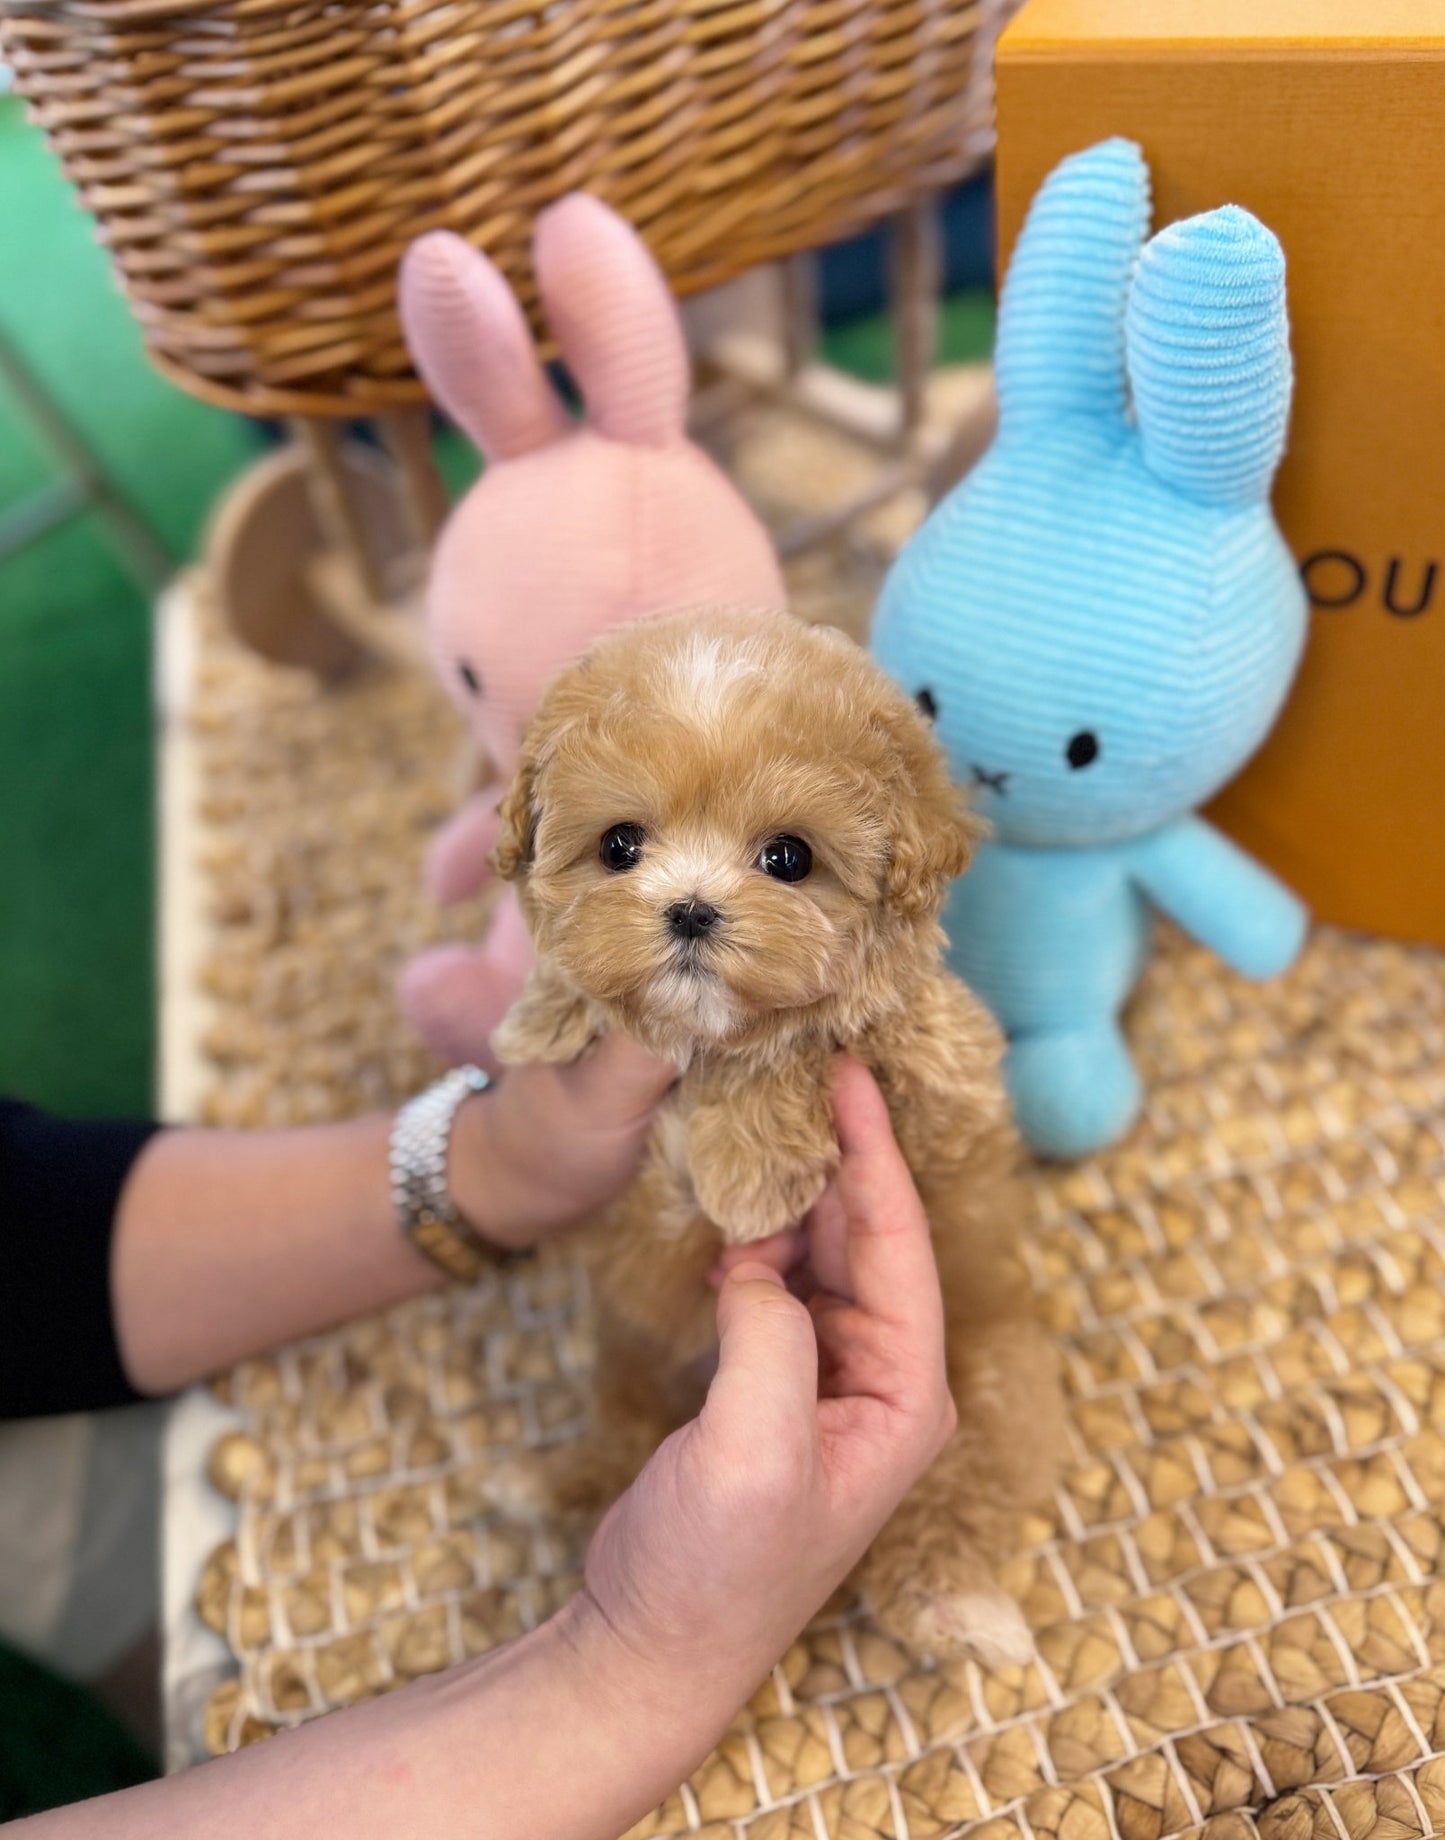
(891,1271)
(782,1251)
(767,1370)
(826,1230)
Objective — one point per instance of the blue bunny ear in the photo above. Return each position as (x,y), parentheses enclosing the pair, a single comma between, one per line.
(1208,350)
(1060,347)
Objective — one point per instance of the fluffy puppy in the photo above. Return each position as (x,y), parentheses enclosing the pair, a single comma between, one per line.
(732,836)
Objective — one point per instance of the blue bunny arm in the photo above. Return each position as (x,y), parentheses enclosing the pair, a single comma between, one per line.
(1231,904)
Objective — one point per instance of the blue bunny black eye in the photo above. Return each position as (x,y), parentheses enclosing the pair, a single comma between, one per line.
(928,703)
(1083,749)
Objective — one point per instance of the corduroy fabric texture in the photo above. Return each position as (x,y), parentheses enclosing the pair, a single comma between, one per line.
(1106,621)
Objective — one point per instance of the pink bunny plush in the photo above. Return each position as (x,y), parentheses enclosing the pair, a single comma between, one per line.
(573,527)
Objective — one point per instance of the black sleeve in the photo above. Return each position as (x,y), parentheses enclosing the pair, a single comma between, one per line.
(60,1183)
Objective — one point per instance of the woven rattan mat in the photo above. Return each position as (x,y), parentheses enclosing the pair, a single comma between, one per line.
(1238,1620)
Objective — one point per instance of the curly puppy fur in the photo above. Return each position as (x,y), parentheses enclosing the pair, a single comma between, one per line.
(710,735)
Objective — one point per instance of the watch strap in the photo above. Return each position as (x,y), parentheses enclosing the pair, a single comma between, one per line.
(425,1211)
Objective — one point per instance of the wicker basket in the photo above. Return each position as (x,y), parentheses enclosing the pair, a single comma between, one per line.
(258,166)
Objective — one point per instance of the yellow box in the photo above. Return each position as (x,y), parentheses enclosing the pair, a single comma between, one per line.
(1327,120)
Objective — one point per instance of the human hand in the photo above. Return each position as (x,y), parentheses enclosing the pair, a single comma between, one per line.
(549,1144)
(819,1420)
(457,859)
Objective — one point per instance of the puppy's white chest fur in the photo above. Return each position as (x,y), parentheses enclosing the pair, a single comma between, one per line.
(699,1005)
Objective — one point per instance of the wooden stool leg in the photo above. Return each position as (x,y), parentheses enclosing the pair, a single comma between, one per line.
(800,311)
(345,578)
(336,512)
(916,275)
(407,434)
(88,486)
(975,427)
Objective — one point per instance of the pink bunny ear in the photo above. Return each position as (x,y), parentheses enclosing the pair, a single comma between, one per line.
(470,341)
(615,321)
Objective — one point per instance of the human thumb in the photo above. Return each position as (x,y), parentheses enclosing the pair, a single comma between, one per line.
(767,1371)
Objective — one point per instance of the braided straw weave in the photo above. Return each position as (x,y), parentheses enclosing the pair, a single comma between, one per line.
(258,166)
(1239,1626)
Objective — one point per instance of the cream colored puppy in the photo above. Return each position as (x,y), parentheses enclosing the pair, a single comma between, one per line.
(732,835)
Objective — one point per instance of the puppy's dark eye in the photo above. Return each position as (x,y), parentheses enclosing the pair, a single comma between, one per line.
(469,678)
(928,703)
(1083,749)
(621,847)
(786,859)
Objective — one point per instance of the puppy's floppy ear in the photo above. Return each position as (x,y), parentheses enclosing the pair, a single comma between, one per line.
(521,805)
(934,832)
(518,813)
(934,843)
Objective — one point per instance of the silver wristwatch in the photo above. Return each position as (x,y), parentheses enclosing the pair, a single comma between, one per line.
(425,1211)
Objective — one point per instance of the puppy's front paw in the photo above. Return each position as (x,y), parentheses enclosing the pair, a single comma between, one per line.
(930,1588)
(947,1625)
(748,1203)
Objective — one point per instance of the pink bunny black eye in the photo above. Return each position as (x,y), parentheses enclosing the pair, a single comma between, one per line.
(469,678)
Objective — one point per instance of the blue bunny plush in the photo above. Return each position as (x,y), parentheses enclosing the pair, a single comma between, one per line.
(1104,620)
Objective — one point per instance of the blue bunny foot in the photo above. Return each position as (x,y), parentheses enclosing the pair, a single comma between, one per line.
(1074,1091)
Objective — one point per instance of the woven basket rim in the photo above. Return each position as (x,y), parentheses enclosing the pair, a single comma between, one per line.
(131,12)
(258,167)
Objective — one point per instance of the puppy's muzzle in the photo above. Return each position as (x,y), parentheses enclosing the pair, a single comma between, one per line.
(692,920)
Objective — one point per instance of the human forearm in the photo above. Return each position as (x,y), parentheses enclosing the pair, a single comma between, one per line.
(228,1243)
(563,1735)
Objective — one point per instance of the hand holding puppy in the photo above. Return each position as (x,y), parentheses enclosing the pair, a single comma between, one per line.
(550,1144)
(820,1418)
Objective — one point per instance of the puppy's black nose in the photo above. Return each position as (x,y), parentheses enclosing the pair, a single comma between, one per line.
(692,919)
